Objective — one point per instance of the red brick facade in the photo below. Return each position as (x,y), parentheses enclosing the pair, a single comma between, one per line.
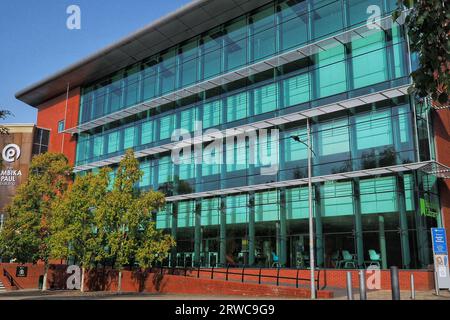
(202,283)
(441,122)
(51,113)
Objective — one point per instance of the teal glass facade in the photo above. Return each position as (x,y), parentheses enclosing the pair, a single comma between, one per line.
(380,212)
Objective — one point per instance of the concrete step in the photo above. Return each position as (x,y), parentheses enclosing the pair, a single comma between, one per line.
(2,287)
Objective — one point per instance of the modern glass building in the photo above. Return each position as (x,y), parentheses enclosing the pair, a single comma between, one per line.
(231,69)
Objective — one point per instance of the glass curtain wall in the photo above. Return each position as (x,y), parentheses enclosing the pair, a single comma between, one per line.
(275,28)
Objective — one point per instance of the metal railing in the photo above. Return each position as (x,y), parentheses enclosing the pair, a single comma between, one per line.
(190,271)
(12,281)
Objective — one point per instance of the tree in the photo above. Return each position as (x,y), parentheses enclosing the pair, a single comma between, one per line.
(94,224)
(74,227)
(25,235)
(3,115)
(125,221)
(428,30)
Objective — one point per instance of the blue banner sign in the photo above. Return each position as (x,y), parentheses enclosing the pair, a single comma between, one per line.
(439,241)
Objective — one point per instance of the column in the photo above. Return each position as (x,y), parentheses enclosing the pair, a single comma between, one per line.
(197,232)
(251,229)
(173,233)
(382,239)
(223,232)
(404,237)
(358,223)
(283,231)
(318,211)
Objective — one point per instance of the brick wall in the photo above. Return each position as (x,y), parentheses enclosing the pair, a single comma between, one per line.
(107,280)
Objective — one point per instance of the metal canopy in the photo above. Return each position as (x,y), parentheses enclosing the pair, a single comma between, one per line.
(281,59)
(287,118)
(303,181)
(436,169)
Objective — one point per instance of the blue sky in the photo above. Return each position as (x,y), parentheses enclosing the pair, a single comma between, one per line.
(35,42)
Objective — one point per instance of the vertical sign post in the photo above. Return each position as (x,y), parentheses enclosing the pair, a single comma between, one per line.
(440,258)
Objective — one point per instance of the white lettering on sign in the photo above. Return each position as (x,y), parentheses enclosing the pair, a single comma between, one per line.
(11,153)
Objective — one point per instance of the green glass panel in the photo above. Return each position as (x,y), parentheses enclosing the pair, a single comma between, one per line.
(332,72)
(167,72)
(399,52)
(237,106)
(378,195)
(146,177)
(165,170)
(166,127)
(409,191)
(266,98)
(147,132)
(369,60)
(113,142)
(212,114)
(129,138)
(296,90)
(334,137)
(237,156)
(188,118)
(337,199)
(236,44)
(210,214)
(212,53)
(267,206)
(132,83)
(115,93)
(237,209)
(186,214)
(293,27)
(150,81)
(188,64)
(295,150)
(98,146)
(297,203)
(357,11)
(263,40)
(327,18)
(164,217)
(187,167)
(373,129)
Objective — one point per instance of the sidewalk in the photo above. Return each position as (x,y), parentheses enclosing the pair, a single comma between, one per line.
(404,295)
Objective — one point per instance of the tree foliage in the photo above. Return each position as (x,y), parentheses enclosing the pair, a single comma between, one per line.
(74,226)
(3,115)
(95,224)
(25,236)
(428,30)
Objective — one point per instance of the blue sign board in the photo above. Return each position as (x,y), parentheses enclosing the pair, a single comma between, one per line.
(439,240)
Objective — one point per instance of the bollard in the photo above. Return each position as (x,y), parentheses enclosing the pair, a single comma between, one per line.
(436,284)
(413,289)
(395,286)
(362,285)
(349,286)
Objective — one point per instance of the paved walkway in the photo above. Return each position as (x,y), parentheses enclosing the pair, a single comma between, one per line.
(76,295)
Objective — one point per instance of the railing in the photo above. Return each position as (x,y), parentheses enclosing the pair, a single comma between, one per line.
(242,274)
(12,281)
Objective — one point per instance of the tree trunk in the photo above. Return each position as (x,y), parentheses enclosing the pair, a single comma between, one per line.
(119,285)
(82,279)
(44,284)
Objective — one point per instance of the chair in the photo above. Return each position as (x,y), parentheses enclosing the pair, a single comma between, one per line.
(275,260)
(347,259)
(335,259)
(375,258)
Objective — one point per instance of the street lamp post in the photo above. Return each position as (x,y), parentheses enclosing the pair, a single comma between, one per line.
(311,215)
